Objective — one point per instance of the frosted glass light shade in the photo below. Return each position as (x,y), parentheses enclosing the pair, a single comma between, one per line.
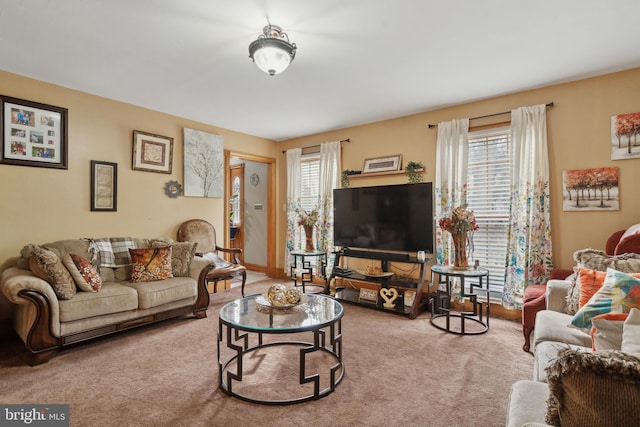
(272,51)
(272,60)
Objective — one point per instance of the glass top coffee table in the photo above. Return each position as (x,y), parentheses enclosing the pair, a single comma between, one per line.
(257,365)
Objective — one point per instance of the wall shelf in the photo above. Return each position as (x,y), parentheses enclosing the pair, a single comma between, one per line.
(370,174)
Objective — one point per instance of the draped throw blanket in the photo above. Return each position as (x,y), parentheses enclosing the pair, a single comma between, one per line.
(529,240)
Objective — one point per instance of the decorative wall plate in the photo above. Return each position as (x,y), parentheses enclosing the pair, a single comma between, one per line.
(173,189)
(254,179)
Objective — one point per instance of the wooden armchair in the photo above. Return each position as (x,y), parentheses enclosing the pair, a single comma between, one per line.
(203,233)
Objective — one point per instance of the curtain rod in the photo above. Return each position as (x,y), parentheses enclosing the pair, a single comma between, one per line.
(548,105)
(317,145)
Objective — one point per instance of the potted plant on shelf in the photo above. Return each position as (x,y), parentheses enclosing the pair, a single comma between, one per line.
(414,170)
(345,176)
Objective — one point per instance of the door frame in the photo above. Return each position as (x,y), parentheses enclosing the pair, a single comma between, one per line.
(271,202)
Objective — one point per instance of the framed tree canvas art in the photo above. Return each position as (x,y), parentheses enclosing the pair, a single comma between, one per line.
(203,164)
(625,136)
(33,134)
(590,189)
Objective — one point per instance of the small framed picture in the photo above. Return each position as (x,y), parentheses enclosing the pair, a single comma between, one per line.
(152,153)
(33,134)
(368,295)
(409,298)
(104,186)
(382,164)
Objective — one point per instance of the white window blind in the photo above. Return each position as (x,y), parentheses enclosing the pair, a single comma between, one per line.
(310,188)
(488,196)
(310,185)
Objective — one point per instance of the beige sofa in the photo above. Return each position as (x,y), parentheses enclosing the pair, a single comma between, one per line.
(571,381)
(47,319)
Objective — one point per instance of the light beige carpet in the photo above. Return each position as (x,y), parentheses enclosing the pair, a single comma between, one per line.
(398,372)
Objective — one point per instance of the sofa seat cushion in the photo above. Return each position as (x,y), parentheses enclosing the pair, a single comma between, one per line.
(554,326)
(546,353)
(157,293)
(112,298)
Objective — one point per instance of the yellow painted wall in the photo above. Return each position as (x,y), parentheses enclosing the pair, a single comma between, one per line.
(578,135)
(40,205)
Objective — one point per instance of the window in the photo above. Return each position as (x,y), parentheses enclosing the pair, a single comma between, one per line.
(310,188)
(488,196)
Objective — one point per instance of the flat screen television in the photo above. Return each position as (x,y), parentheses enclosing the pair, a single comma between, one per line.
(395,218)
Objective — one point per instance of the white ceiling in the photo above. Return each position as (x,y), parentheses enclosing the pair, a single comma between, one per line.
(358,61)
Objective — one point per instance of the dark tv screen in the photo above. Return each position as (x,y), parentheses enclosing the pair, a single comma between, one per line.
(387,218)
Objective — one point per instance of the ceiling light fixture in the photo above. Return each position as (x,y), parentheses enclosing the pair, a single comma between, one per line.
(272,52)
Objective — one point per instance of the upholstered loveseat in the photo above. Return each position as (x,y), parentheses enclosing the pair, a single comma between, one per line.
(586,347)
(72,290)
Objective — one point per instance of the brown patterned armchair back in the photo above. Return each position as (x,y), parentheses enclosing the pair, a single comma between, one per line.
(199,231)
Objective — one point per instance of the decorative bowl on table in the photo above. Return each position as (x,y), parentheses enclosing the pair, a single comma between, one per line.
(370,271)
(279,296)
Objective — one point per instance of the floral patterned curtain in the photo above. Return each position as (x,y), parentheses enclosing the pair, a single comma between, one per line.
(529,240)
(329,179)
(452,159)
(293,204)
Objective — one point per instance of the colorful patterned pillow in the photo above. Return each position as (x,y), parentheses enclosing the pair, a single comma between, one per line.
(598,260)
(85,276)
(46,265)
(590,282)
(619,293)
(182,254)
(151,264)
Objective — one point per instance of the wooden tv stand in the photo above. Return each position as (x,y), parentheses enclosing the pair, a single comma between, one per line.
(402,286)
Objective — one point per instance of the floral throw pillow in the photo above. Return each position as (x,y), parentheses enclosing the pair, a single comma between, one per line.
(597,260)
(151,264)
(182,254)
(46,265)
(85,276)
(619,293)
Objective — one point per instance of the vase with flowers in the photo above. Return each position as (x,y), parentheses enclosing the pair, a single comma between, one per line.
(460,222)
(308,220)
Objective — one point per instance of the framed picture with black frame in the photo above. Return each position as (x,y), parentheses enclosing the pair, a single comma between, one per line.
(33,134)
(104,186)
